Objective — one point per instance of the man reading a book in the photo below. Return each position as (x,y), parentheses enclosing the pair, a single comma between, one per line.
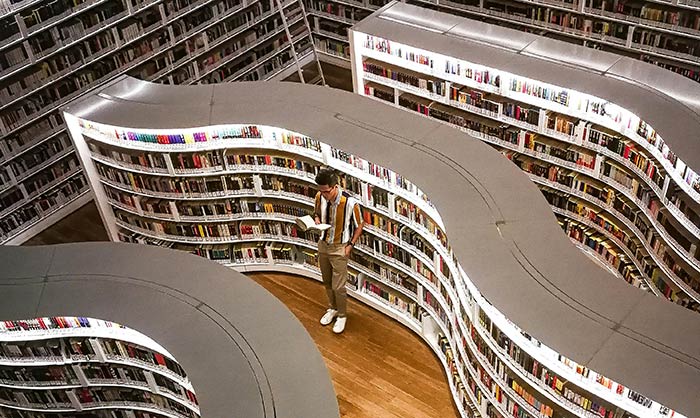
(342,212)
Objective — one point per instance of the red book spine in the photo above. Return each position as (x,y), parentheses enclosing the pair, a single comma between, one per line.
(160,359)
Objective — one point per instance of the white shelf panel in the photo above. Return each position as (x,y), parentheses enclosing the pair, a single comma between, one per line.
(217,240)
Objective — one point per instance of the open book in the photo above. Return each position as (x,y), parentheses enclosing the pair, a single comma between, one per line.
(307,222)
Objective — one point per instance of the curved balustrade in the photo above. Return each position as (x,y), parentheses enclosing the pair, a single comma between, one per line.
(223,328)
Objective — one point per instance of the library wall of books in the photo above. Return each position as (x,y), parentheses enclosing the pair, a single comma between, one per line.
(619,190)
(53,52)
(523,323)
(204,347)
(661,32)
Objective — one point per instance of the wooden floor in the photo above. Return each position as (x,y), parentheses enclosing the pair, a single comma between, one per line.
(379,368)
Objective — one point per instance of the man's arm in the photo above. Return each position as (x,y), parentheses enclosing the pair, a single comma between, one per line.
(358,232)
(317,208)
(359,224)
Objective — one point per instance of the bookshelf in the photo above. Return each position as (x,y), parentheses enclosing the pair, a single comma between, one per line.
(111,371)
(71,364)
(596,162)
(54,52)
(662,33)
(228,192)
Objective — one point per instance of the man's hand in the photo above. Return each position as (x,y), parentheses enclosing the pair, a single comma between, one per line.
(317,220)
(348,250)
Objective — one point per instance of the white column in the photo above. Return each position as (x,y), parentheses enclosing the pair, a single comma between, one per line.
(99,351)
(74,400)
(91,174)
(80,374)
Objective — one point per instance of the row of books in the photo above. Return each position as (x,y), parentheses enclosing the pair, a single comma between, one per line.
(473,72)
(396,75)
(665,41)
(290,138)
(690,73)
(397,302)
(376,43)
(114,413)
(216,186)
(148,160)
(56,322)
(561,124)
(184,138)
(474,98)
(380,93)
(299,164)
(569,154)
(430,300)
(348,12)
(122,349)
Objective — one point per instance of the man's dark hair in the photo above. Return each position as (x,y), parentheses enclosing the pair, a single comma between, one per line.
(327,177)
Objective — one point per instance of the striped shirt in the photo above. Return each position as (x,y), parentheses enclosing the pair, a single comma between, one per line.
(344,214)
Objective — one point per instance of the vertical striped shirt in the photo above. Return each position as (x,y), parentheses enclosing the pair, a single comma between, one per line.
(343,215)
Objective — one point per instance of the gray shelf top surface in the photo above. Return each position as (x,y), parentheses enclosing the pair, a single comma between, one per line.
(245,353)
(667,101)
(500,227)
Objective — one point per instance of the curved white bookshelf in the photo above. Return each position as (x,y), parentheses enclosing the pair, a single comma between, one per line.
(441,61)
(456,295)
(364,48)
(98,335)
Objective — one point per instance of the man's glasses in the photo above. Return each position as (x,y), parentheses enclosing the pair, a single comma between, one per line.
(326,192)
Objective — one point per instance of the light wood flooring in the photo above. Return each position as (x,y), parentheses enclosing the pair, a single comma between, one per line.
(379,368)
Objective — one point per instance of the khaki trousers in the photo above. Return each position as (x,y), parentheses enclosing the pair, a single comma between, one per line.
(334,270)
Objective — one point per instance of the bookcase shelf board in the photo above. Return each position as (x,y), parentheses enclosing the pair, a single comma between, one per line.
(497,256)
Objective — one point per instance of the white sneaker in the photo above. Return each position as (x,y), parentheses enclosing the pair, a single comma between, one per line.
(339,324)
(327,318)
